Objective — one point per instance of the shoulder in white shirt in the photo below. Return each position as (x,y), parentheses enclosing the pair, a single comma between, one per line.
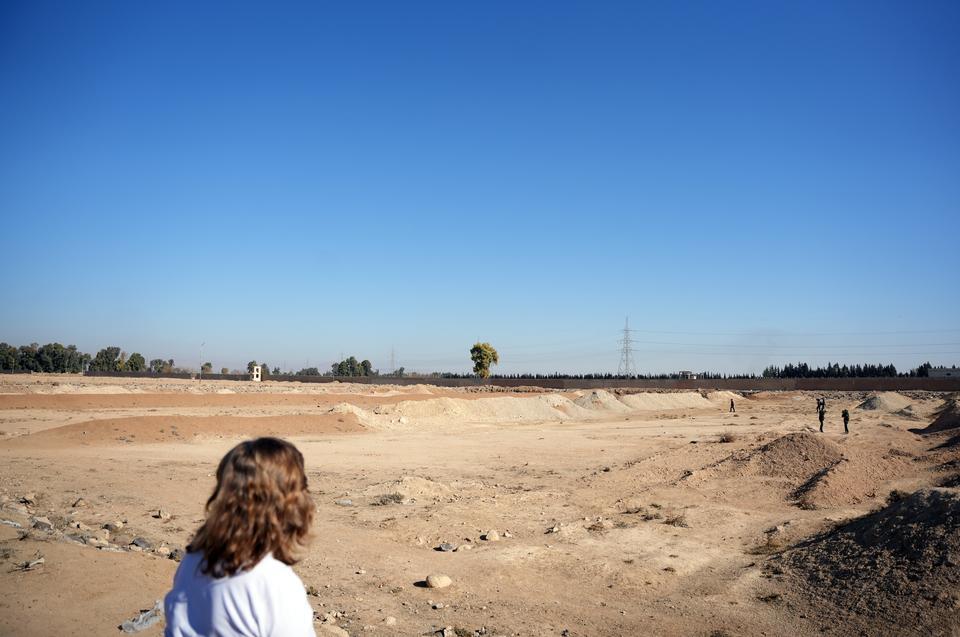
(267,600)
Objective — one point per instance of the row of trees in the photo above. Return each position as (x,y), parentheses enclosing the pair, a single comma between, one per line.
(57,358)
(832,370)
(52,357)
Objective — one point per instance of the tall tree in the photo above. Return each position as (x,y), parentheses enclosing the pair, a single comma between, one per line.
(483,356)
(136,362)
(106,360)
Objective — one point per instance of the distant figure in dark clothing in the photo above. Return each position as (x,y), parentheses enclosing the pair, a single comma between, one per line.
(732,408)
(822,414)
(821,404)
(846,419)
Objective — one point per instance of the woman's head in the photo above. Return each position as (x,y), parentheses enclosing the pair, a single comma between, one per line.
(260,505)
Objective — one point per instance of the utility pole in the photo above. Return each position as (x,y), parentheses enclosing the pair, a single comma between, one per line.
(393,362)
(200,375)
(626,367)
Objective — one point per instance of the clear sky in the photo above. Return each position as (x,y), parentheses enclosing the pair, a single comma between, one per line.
(751,182)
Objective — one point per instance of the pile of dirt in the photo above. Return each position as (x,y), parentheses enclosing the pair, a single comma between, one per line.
(947,418)
(656,401)
(907,412)
(409,489)
(871,566)
(600,400)
(724,397)
(797,456)
(157,429)
(885,401)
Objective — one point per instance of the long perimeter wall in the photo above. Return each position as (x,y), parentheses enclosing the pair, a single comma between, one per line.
(733,384)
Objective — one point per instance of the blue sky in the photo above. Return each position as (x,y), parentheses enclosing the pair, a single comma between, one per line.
(751,182)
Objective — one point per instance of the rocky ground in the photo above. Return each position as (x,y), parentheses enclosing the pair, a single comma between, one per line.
(550,513)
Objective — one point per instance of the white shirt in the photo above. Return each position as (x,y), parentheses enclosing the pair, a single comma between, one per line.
(266,601)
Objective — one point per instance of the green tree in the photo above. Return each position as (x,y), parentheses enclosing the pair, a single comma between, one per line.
(106,360)
(8,357)
(250,366)
(224,370)
(157,365)
(399,372)
(136,363)
(207,368)
(366,368)
(483,356)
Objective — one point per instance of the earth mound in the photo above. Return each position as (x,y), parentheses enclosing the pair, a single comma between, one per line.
(947,418)
(871,565)
(797,456)
(885,401)
(665,400)
(600,400)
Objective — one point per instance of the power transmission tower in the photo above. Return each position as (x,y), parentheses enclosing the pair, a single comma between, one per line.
(393,361)
(626,367)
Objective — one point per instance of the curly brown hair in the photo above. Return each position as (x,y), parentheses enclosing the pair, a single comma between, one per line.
(260,505)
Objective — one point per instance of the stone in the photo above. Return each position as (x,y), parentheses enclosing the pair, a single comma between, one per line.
(42,524)
(79,503)
(438,581)
(163,551)
(332,630)
(144,620)
(142,542)
(507,534)
(97,542)
(114,526)
(446,547)
(344,502)
(390,621)
(491,536)
(553,529)
(160,514)
(80,526)
(176,555)
(464,547)
(437,606)
(29,498)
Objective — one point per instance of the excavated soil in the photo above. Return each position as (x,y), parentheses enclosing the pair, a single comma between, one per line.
(899,566)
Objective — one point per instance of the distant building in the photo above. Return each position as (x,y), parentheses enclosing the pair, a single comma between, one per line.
(256,375)
(944,372)
(686,375)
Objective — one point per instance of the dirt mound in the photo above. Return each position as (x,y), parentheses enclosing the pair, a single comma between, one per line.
(907,412)
(497,408)
(885,401)
(796,456)
(723,397)
(655,401)
(871,566)
(947,418)
(600,400)
(154,429)
(408,489)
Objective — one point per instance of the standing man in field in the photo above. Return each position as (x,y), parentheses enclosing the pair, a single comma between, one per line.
(822,412)
(846,419)
(733,409)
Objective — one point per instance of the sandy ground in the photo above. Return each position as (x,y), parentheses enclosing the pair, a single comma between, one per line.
(617,515)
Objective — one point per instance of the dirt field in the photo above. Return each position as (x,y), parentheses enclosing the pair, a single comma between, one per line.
(615,514)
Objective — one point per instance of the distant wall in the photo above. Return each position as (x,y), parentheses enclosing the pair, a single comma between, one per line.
(733,384)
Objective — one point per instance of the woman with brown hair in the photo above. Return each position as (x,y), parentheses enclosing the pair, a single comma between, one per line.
(236,578)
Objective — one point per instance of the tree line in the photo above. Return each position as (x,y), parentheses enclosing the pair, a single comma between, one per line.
(836,370)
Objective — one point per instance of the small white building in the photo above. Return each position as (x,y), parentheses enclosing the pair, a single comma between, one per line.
(686,375)
(256,376)
(944,372)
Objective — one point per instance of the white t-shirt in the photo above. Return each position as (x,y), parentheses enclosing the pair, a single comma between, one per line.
(266,601)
